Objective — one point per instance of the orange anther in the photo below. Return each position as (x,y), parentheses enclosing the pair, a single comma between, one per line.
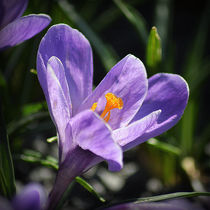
(93,108)
(112,102)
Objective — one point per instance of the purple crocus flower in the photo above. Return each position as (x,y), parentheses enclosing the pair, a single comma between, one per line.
(124,110)
(15,29)
(32,197)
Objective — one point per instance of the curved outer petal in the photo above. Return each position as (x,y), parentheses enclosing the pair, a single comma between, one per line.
(127,134)
(91,133)
(75,53)
(127,79)
(22,29)
(10,10)
(32,197)
(59,99)
(168,92)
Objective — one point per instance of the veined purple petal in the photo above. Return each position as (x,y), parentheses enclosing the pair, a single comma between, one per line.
(32,197)
(127,134)
(10,10)
(74,51)
(57,87)
(59,102)
(127,80)
(169,93)
(22,29)
(91,133)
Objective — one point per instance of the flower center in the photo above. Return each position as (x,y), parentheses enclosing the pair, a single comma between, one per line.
(112,102)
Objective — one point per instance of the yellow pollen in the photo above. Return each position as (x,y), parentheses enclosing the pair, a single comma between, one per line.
(112,102)
(93,108)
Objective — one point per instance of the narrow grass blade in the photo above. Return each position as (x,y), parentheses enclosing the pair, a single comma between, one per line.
(89,188)
(36,157)
(135,18)
(172,196)
(163,197)
(164,146)
(188,125)
(7,177)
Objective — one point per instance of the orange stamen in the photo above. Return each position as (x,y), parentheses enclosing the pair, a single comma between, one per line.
(112,102)
(106,119)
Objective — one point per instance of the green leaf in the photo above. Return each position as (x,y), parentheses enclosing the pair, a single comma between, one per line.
(89,188)
(36,157)
(7,177)
(187,129)
(164,146)
(172,196)
(33,108)
(135,18)
(163,197)
(107,56)
(154,50)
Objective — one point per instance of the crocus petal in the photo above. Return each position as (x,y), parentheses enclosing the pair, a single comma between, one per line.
(91,133)
(75,53)
(10,10)
(32,197)
(127,80)
(22,29)
(59,98)
(169,93)
(125,135)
